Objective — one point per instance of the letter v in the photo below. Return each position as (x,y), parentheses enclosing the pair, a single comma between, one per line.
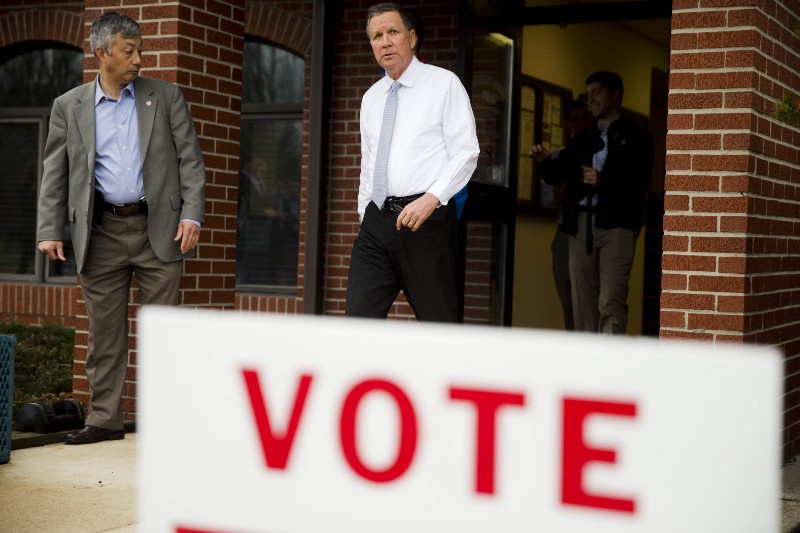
(276,448)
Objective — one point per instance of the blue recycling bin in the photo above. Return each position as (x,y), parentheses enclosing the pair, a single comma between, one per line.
(7,345)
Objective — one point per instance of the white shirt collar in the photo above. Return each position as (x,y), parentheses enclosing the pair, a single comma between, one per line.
(408,78)
(99,94)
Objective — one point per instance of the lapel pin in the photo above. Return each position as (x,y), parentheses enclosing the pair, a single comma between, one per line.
(148,103)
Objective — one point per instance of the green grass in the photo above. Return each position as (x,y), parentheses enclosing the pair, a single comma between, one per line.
(787,110)
(42,362)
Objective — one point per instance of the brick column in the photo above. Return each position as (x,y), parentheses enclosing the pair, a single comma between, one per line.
(198,46)
(731,262)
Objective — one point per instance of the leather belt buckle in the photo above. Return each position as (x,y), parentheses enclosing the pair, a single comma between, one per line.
(398,203)
(393,206)
(126,210)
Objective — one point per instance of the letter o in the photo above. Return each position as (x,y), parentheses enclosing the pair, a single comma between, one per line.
(408,431)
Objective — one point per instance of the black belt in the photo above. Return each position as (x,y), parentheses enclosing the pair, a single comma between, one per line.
(397,203)
(126,210)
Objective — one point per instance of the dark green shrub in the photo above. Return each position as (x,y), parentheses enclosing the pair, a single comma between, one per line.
(42,361)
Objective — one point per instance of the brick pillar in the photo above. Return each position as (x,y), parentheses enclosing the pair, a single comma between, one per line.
(731,262)
(198,46)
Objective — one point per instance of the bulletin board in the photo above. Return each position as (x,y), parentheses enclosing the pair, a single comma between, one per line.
(543,109)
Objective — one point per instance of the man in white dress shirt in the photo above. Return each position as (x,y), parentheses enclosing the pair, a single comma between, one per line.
(409,242)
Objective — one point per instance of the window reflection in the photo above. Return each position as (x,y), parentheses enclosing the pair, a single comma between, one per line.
(270,169)
(31,77)
(18,151)
(35,78)
(491,102)
(271,75)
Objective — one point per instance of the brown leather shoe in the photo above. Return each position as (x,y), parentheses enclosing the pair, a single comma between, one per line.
(92,434)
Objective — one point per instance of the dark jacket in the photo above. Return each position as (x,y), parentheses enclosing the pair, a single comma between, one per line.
(625,178)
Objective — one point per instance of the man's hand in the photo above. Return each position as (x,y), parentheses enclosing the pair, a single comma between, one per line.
(53,249)
(591,176)
(414,214)
(188,234)
(539,153)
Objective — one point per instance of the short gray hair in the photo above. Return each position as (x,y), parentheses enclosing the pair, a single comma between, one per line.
(388,7)
(107,25)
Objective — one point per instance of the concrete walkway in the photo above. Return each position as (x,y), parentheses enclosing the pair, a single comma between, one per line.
(790,499)
(56,488)
(65,489)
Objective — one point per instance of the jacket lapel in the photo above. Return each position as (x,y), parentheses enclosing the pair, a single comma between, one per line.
(146,104)
(84,117)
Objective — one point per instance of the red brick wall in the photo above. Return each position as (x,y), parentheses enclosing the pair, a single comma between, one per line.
(731,262)
(479,274)
(61,22)
(39,304)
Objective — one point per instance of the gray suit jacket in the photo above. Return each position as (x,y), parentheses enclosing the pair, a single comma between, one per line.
(172,167)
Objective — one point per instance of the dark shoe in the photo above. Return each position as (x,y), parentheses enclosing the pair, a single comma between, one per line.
(92,434)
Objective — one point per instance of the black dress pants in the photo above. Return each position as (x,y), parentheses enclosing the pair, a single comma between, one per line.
(422,264)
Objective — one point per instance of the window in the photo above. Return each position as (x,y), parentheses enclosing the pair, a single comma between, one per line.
(31,77)
(269,169)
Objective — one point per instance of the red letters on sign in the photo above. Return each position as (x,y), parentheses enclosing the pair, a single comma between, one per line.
(408,431)
(577,454)
(276,448)
(486,403)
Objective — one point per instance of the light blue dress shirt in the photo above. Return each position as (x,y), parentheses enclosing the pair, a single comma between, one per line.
(118,165)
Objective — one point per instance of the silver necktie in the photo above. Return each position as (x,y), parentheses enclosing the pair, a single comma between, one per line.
(380,173)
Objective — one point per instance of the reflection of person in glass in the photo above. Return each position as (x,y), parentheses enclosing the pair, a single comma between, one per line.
(268,223)
(285,217)
(252,189)
(21,194)
(254,227)
(607,172)
(407,240)
(553,196)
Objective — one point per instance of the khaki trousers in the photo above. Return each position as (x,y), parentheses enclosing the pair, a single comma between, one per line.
(600,279)
(119,249)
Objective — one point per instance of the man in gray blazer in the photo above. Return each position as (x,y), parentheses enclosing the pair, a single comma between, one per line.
(123,165)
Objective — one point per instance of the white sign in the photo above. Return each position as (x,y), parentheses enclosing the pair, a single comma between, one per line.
(276,424)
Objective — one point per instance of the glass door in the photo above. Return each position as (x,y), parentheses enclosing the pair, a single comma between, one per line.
(488,225)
